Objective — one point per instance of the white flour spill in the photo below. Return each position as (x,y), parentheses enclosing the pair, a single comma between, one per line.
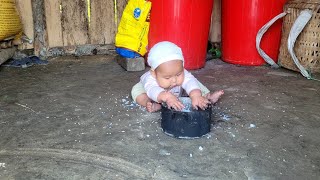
(208,136)
(164,152)
(186,101)
(3,165)
(231,134)
(128,103)
(224,116)
(187,104)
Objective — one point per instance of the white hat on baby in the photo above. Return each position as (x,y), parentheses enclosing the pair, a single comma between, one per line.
(163,52)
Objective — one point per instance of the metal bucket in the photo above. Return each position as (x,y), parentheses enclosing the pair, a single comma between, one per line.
(186,124)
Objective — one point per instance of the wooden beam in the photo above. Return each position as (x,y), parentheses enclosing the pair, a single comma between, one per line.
(82,50)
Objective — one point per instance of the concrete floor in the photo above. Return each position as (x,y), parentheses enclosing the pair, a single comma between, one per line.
(74,119)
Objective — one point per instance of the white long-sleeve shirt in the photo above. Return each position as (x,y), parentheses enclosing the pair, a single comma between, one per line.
(153,89)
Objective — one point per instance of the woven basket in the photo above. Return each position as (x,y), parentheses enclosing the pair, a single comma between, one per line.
(307,46)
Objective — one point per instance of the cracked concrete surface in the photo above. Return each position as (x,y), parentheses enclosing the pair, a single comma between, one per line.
(74,119)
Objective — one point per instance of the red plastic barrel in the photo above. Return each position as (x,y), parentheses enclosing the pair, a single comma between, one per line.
(185,23)
(241,20)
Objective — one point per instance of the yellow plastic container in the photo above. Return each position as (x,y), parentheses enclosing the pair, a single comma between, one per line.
(133,28)
(10,24)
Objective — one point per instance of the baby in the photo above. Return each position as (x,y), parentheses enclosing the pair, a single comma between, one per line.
(166,80)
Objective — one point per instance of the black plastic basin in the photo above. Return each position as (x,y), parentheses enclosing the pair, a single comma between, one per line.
(186,124)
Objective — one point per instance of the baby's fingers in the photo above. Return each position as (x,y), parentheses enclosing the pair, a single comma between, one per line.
(194,105)
(207,102)
(179,106)
(202,105)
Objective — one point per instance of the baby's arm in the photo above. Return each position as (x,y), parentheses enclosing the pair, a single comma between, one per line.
(158,94)
(198,100)
(191,86)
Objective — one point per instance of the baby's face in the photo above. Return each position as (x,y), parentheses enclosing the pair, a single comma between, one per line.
(170,74)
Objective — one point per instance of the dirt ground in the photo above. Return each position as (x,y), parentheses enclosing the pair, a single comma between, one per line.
(74,119)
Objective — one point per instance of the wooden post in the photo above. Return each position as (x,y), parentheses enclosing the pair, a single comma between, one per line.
(40,29)
(25,10)
(215,29)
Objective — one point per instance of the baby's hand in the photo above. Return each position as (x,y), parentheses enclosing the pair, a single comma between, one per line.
(199,101)
(173,102)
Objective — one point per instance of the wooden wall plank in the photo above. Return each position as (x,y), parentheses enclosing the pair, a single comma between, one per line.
(24,8)
(102,27)
(75,22)
(215,29)
(53,22)
(67,31)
